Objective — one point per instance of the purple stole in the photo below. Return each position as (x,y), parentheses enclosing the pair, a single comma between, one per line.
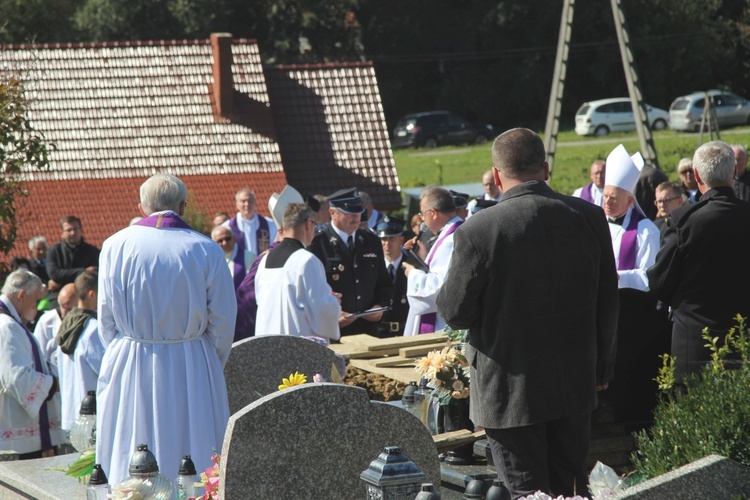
(262,234)
(238,265)
(427,321)
(629,243)
(586,192)
(43,415)
(247,306)
(165,220)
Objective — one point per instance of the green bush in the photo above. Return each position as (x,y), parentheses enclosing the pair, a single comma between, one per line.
(711,417)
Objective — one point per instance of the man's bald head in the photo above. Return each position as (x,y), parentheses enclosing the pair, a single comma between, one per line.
(67,298)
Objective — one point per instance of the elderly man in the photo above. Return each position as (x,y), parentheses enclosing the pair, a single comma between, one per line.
(695,271)
(391,234)
(592,192)
(290,286)
(29,405)
(166,318)
(741,175)
(251,231)
(238,259)
(70,257)
(685,171)
(439,214)
(642,329)
(38,257)
(491,192)
(354,264)
(79,351)
(669,196)
(46,328)
(542,335)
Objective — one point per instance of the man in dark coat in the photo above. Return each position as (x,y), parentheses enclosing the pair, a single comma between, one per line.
(72,256)
(354,264)
(696,269)
(391,234)
(534,280)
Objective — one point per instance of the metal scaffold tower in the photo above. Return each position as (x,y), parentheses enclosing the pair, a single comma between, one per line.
(648,150)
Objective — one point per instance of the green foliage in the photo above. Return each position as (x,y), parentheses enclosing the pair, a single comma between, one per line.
(196,217)
(710,417)
(21,149)
(82,468)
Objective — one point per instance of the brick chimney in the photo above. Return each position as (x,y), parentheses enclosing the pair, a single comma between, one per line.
(222,89)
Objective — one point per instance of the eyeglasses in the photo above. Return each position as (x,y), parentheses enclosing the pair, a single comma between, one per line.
(686,171)
(665,201)
(421,215)
(225,239)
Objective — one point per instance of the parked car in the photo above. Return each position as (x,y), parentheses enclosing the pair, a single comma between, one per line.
(615,115)
(686,112)
(438,128)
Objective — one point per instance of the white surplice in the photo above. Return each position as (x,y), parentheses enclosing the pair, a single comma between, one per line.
(422,288)
(296,299)
(647,246)
(167,311)
(249,228)
(45,332)
(597,194)
(78,372)
(23,390)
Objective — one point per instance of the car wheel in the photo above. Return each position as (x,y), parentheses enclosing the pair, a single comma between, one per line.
(659,124)
(601,130)
(481,139)
(431,143)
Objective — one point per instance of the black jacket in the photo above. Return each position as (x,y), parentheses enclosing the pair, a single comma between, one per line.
(64,263)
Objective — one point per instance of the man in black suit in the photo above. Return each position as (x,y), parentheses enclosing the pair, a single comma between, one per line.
(534,280)
(354,263)
(696,269)
(391,234)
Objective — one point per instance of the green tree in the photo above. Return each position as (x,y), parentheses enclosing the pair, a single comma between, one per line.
(21,149)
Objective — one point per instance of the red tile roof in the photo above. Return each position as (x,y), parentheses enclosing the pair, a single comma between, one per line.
(332,129)
(120,112)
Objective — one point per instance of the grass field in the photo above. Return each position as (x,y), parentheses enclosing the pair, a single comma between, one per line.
(456,165)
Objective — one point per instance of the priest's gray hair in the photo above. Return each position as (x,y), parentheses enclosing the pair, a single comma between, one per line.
(162,192)
(19,280)
(437,198)
(296,214)
(714,162)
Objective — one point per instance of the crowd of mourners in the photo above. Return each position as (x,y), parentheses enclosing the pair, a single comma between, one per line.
(569,302)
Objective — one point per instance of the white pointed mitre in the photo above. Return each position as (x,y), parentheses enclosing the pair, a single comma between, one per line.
(277,203)
(622,170)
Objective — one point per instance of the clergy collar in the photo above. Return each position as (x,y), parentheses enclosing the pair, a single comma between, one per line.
(623,219)
(240,218)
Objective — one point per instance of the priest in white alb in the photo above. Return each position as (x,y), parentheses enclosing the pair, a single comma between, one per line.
(166,315)
(293,295)
(438,211)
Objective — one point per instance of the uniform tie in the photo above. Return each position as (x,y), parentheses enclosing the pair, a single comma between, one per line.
(350,243)
(391,270)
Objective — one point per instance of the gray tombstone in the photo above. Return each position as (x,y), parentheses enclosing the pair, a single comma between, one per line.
(313,441)
(257,365)
(713,476)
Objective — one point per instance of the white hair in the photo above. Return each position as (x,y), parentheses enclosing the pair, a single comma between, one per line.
(36,239)
(714,162)
(162,192)
(19,280)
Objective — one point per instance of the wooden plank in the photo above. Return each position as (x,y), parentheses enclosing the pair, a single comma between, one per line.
(393,361)
(361,338)
(399,342)
(363,353)
(347,349)
(420,350)
(452,440)
(403,375)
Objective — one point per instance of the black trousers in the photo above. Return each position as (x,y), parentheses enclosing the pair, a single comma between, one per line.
(547,457)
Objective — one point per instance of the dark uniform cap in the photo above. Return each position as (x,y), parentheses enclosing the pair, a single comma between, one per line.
(459,199)
(347,200)
(482,204)
(311,202)
(390,226)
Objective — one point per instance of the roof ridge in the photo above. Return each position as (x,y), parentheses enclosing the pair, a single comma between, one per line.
(118,44)
(329,65)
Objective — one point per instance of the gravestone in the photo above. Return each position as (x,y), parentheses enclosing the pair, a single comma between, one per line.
(257,365)
(313,441)
(713,476)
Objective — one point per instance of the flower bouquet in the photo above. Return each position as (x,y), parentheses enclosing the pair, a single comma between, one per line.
(448,372)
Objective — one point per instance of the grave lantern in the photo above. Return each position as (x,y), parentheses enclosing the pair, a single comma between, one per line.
(392,476)
(83,432)
(144,469)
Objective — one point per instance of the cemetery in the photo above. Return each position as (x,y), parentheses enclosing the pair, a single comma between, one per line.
(326,439)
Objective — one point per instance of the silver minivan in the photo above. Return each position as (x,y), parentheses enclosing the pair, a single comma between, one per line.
(614,115)
(686,112)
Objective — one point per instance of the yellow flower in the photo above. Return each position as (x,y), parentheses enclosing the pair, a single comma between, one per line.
(295,378)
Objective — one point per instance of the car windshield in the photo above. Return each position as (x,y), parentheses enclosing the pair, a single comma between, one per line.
(681,104)
(583,109)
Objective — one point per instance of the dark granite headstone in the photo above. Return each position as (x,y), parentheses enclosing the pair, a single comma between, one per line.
(314,440)
(257,365)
